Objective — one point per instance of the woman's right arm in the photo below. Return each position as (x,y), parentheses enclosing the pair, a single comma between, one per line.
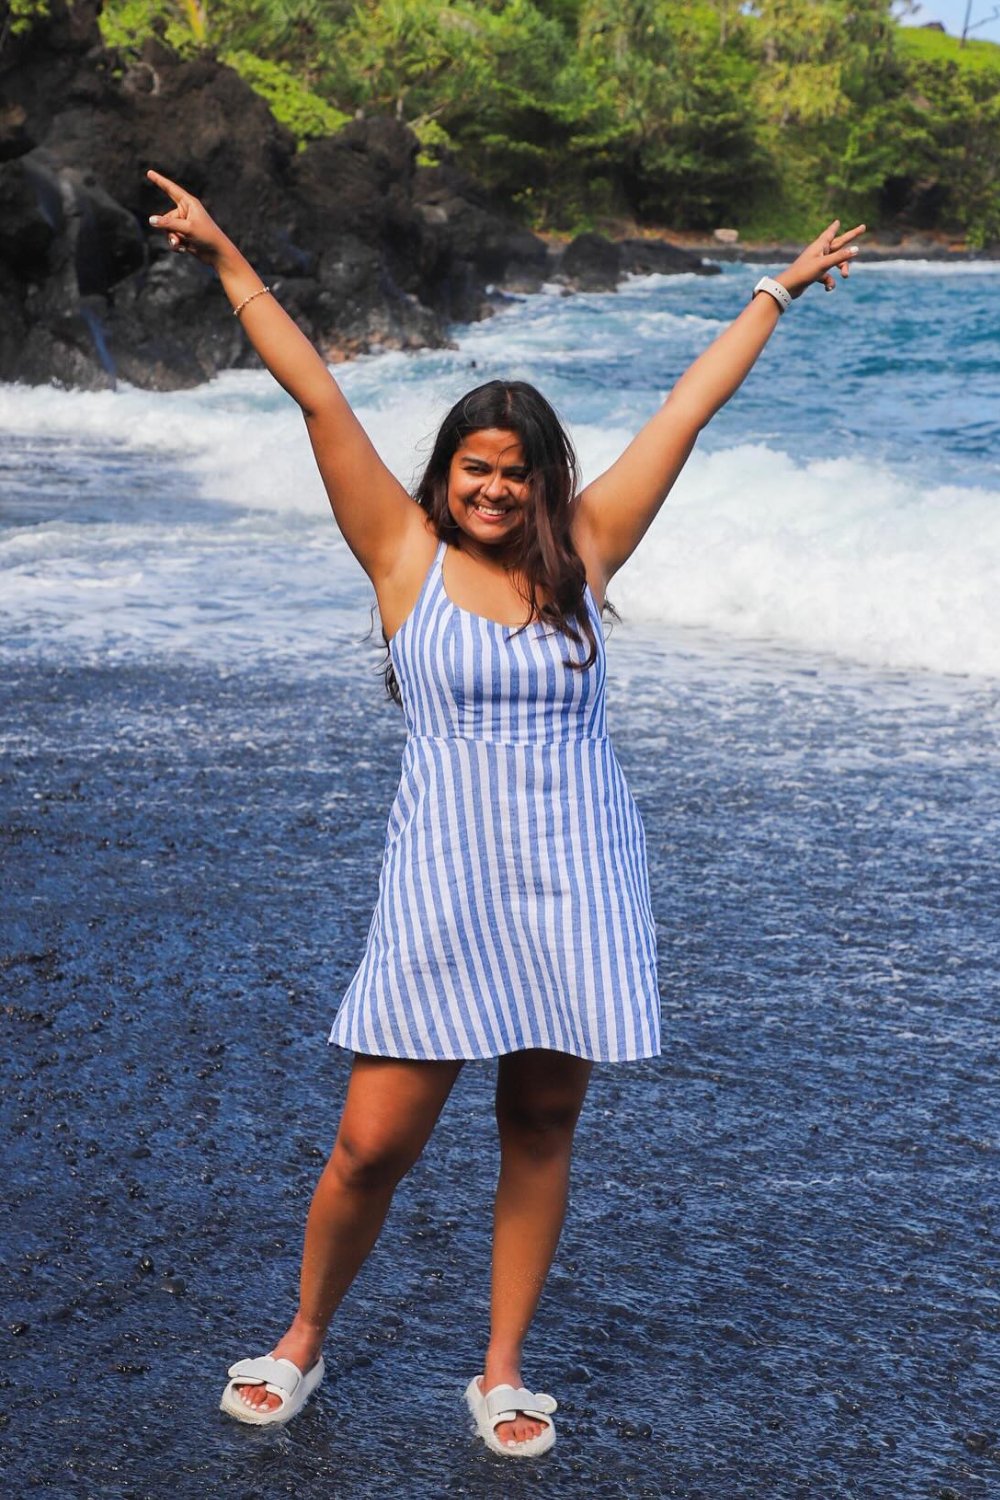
(373,510)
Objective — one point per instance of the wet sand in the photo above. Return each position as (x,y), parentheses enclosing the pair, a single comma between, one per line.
(779,1277)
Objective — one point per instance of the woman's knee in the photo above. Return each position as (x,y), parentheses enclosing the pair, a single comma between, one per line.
(370,1163)
(541,1127)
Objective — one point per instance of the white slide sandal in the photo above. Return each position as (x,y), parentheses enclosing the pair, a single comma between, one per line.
(279,1376)
(502,1404)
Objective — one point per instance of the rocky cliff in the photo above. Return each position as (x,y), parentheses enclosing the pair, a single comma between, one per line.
(362,246)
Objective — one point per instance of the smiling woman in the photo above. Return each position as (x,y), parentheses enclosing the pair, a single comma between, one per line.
(500,488)
(513,917)
(496,470)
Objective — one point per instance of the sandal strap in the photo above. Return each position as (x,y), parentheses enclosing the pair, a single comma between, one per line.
(280,1376)
(504,1402)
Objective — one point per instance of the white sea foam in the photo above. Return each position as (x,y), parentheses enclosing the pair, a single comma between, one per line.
(849,556)
(932,267)
(839,556)
(653,280)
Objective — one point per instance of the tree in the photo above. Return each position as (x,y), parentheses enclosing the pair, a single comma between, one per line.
(683,102)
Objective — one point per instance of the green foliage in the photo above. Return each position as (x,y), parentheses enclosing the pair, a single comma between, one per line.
(302,34)
(920,44)
(773,116)
(685,133)
(297,33)
(293,105)
(436,145)
(949,114)
(22,14)
(126,24)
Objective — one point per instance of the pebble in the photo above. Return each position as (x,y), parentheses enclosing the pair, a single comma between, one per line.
(979,1442)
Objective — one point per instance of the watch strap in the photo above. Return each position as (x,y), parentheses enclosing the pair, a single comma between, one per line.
(774,289)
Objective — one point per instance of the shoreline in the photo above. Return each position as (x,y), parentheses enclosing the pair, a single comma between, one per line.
(880,245)
(710,260)
(758,253)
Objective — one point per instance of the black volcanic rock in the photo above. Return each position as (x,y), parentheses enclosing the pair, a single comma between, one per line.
(591,263)
(364,247)
(361,245)
(659,257)
(478,238)
(31,216)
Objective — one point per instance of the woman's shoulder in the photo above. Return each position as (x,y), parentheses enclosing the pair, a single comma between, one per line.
(399,589)
(586,551)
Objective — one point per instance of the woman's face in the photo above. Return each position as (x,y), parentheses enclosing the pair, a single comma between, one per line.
(488,485)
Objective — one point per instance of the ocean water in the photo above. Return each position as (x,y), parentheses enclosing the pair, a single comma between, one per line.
(845,501)
(780,1272)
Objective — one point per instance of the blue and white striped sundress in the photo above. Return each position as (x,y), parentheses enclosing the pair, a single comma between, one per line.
(513,907)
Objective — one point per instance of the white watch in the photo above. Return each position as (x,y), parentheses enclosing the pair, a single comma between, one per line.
(781,294)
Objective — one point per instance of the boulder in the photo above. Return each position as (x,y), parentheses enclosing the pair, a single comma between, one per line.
(591,263)
(170,328)
(108,243)
(474,236)
(31,216)
(14,137)
(659,257)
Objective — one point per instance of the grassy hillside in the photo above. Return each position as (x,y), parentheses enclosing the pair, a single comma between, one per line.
(922,44)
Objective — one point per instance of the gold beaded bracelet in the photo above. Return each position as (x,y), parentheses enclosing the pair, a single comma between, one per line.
(258,293)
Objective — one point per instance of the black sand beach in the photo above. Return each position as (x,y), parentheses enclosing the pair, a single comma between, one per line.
(779,1277)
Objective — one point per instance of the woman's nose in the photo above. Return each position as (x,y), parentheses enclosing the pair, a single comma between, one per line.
(493,485)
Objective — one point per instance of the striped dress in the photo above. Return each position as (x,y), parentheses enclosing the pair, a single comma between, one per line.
(513,906)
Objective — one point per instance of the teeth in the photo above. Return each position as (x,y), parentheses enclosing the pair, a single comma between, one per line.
(491,510)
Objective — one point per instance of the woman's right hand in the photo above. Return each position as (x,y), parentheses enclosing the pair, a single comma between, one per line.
(189,227)
(380,522)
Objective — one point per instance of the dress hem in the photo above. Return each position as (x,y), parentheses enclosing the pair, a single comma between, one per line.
(486,1056)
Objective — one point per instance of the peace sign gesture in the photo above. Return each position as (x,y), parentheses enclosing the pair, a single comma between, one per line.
(189,226)
(828,252)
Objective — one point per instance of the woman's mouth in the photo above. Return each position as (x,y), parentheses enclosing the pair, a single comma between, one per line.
(491,512)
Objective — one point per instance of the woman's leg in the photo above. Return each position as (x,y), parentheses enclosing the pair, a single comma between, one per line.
(539,1098)
(391,1108)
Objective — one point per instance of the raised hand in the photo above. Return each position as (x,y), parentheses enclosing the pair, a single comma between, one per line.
(829,252)
(189,227)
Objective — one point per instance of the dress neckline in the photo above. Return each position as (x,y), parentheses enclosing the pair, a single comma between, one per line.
(488,619)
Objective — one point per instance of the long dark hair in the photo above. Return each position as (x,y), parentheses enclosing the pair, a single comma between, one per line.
(545,563)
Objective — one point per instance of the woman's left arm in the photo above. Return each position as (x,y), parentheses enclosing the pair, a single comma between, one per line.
(616,509)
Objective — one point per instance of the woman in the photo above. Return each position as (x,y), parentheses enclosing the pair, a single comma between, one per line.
(513,914)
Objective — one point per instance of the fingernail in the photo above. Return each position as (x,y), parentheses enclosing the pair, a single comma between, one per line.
(853,250)
(154,218)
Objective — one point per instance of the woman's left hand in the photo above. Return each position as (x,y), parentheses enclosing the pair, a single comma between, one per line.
(831,251)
